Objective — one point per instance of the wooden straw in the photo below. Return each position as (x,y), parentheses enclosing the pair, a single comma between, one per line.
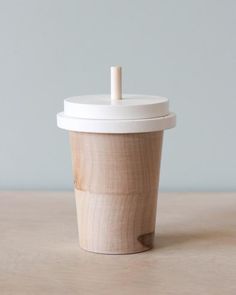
(116,83)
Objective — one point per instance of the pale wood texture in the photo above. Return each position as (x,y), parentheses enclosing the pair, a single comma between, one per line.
(116,83)
(194,250)
(116,180)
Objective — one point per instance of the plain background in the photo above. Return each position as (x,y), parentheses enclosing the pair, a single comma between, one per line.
(184,50)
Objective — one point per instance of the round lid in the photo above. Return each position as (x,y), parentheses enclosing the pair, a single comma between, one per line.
(129,107)
(116,113)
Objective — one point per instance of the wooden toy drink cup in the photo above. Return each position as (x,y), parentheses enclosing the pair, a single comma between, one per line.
(116,143)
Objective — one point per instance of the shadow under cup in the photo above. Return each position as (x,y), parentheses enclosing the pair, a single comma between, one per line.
(116,178)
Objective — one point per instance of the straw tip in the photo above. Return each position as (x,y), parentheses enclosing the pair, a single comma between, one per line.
(116,67)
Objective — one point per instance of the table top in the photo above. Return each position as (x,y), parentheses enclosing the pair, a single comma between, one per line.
(194,253)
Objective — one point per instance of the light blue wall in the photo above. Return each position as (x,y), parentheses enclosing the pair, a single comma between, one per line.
(185,50)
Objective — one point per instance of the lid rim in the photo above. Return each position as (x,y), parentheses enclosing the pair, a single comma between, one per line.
(115,126)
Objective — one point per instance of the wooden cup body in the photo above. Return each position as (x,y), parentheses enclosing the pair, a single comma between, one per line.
(116,179)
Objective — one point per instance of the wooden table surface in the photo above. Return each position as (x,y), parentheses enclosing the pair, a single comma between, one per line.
(195,248)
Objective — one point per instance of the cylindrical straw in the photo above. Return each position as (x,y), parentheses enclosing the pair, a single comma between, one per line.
(116,83)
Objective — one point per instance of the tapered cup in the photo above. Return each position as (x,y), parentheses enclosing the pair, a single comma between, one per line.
(116,143)
(116,179)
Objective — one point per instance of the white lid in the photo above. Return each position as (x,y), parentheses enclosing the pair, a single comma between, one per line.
(129,107)
(113,114)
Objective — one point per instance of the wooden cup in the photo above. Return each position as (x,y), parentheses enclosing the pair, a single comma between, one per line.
(116,178)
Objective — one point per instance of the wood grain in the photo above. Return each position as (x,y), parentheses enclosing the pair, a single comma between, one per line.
(116,180)
(194,250)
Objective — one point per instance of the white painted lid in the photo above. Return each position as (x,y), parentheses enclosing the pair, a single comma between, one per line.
(129,107)
(116,113)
